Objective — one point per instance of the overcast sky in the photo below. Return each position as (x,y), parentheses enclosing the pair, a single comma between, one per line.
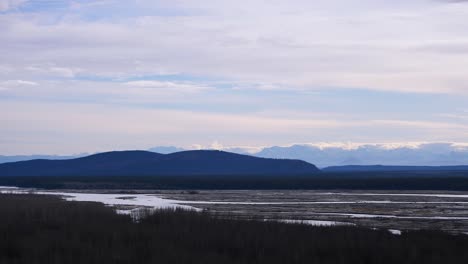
(85,76)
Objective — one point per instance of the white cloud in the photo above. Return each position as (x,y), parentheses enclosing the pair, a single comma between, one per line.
(18,83)
(51,71)
(357,145)
(95,3)
(216,145)
(65,72)
(383,146)
(6,5)
(182,87)
(307,45)
(5,69)
(421,124)
(196,147)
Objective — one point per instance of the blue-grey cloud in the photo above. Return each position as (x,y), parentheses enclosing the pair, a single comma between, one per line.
(7,5)
(454,1)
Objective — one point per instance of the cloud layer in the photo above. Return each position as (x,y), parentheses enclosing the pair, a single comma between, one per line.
(414,47)
(6,5)
(254,73)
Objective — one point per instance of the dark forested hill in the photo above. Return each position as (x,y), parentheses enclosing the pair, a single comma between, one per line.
(143,163)
(5,159)
(382,168)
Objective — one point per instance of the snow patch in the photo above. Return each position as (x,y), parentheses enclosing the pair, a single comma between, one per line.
(395,232)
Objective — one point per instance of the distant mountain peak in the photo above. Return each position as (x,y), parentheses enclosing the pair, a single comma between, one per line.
(422,154)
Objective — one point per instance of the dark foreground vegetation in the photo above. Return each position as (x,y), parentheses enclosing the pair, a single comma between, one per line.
(45,229)
(455,181)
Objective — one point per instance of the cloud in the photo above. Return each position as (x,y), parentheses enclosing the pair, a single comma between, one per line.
(16,83)
(459,116)
(216,145)
(6,5)
(65,72)
(421,124)
(77,127)
(299,46)
(299,71)
(454,1)
(182,87)
(53,71)
(384,145)
(82,125)
(81,5)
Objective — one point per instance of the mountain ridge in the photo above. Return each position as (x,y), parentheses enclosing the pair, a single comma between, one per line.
(430,154)
(394,168)
(126,163)
(427,154)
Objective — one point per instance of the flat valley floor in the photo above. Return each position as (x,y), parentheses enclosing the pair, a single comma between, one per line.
(393,210)
(397,210)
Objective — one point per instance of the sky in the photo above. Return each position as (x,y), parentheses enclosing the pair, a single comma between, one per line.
(88,76)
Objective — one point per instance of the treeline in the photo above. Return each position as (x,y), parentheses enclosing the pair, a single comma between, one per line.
(362,181)
(38,229)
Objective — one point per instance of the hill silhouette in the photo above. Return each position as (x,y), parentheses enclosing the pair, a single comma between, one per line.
(144,163)
(383,168)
